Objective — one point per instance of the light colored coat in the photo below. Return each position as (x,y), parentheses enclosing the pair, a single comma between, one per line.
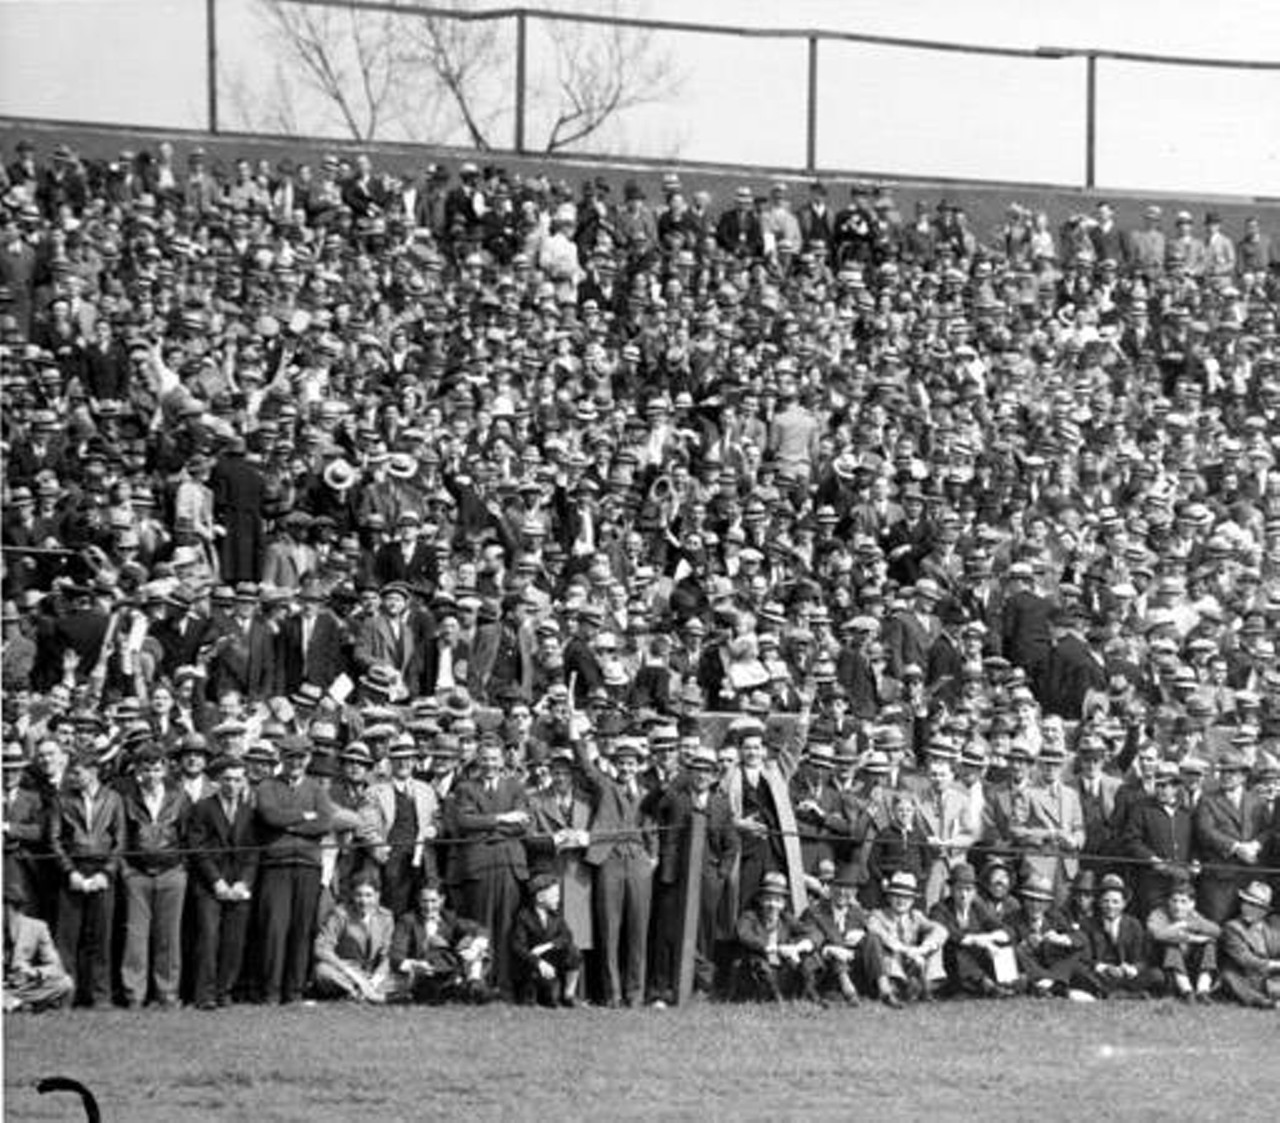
(576,877)
(378,811)
(1057,812)
(948,818)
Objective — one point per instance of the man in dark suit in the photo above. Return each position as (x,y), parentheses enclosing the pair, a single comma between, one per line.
(692,795)
(409,557)
(313,642)
(621,850)
(82,629)
(1158,832)
(389,638)
(909,635)
(491,813)
(582,668)
(1119,950)
(1229,831)
(738,231)
(181,632)
(1097,791)
(239,493)
(848,953)
(243,657)
(225,864)
(435,955)
(1073,669)
(1025,626)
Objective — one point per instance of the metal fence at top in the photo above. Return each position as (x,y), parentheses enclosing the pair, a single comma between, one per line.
(806,98)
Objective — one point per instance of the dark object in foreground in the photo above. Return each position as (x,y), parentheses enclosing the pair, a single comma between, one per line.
(66,1084)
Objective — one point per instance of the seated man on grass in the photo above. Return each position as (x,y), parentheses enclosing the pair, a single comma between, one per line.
(547,961)
(1184,943)
(847,954)
(1250,950)
(774,954)
(437,956)
(979,952)
(1051,950)
(911,965)
(353,947)
(1119,950)
(34,978)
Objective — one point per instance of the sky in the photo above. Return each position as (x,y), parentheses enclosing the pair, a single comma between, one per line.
(882,110)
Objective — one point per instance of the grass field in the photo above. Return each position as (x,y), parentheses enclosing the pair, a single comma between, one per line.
(1015,1060)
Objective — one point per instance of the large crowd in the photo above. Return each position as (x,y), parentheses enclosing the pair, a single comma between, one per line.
(466,586)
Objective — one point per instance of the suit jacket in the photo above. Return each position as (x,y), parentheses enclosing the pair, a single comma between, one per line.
(822,829)
(1072,671)
(367,944)
(378,812)
(1099,814)
(530,931)
(322,661)
(411,941)
(245,662)
(1151,832)
(820,920)
(914,930)
(1248,947)
(1025,630)
(390,564)
(224,850)
(1062,814)
(674,814)
(1131,945)
(980,919)
(27,819)
(619,825)
(377,644)
(907,639)
(951,821)
(181,645)
(549,818)
(1219,825)
(491,846)
(582,667)
(753,936)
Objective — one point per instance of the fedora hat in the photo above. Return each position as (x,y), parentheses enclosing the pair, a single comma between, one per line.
(358,753)
(1037,888)
(1256,893)
(402,466)
(902,884)
(773,885)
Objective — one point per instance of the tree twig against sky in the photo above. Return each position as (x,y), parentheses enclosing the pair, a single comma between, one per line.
(390,75)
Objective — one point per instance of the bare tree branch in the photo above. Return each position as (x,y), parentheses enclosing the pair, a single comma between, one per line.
(436,78)
(601,73)
(464,58)
(327,51)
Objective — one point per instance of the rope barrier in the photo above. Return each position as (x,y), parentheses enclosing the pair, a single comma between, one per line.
(1004,851)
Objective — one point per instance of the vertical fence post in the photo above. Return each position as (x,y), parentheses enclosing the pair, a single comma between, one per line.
(522,20)
(811,146)
(211,59)
(1091,119)
(693,847)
